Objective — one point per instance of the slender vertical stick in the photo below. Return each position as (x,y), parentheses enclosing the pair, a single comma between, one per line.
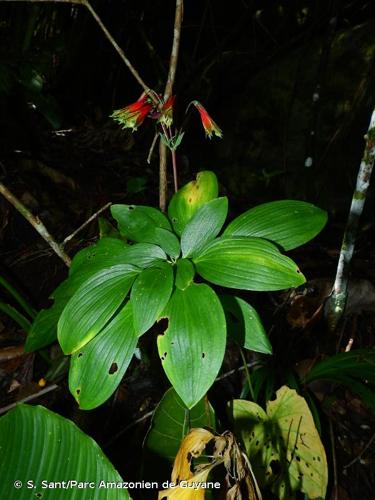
(335,305)
(36,223)
(167,94)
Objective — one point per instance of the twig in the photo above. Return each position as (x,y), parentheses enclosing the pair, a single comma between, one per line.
(349,345)
(36,223)
(29,398)
(358,457)
(128,427)
(82,226)
(167,94)
(336,302)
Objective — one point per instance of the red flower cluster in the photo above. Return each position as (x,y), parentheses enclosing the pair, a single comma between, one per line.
(133,115)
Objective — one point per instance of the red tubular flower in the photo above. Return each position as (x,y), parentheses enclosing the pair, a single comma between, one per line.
(133,115)
(210,127)
(166,112)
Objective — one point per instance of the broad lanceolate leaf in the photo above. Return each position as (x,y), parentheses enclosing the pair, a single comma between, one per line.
(138,222)
(171,422)
(190,197)
(192,348)
(204,226)
(40,446)
(98,367)
(283,445)
(93,305)
(185,273)
(150,294)
(244,325)
(289,223)
(248,264)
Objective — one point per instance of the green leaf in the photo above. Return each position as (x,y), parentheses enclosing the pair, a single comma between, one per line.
(93,305)
(150,294)
(289,223)
(185,273)
(204,226)
(39,445)
(192,348)
(171,422)
(190,197)
(248,264)
(138,222)
(168,241)
(283,445)
(355,363)
(103,253)
(98,367)
(247,329)
(43,331)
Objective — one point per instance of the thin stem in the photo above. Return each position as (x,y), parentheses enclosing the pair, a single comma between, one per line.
(167,93)
(335,305)
(29,398)
(174,166)
(36,223)
(248,377)
(82,226)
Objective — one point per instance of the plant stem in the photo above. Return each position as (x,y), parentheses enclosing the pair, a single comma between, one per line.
(335,305)
(36,223)
(248,377)
(167,93)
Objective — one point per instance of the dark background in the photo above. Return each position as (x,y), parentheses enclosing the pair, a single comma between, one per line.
(255,65)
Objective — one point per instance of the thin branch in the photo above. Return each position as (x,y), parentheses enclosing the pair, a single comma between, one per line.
(167,93)
(36,223)
(335,304)
(29,398)
(86,223)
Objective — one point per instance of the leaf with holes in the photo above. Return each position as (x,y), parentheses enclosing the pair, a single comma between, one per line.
(283,445)
(190,198)
(204,226)
(40,446)
(192,348)
(97,256)
(93,305)
(244,324)
(171,422)
(248,264)
(150,294)
(97,369)
(289,223)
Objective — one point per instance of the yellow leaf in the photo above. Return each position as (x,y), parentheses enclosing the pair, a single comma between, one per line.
(191,447)
(188,489)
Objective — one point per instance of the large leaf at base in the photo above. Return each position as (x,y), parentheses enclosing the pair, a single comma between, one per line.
(39,445)
(93,305)
(150,294)
(190,197)
(246,327)
(192,348)
(283,444)
(289,223)
(171,422)
(97,368)
(248,264)
(204,226)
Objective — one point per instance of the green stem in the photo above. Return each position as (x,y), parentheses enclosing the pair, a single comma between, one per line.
(18,297)
(248,377)
(16,316)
